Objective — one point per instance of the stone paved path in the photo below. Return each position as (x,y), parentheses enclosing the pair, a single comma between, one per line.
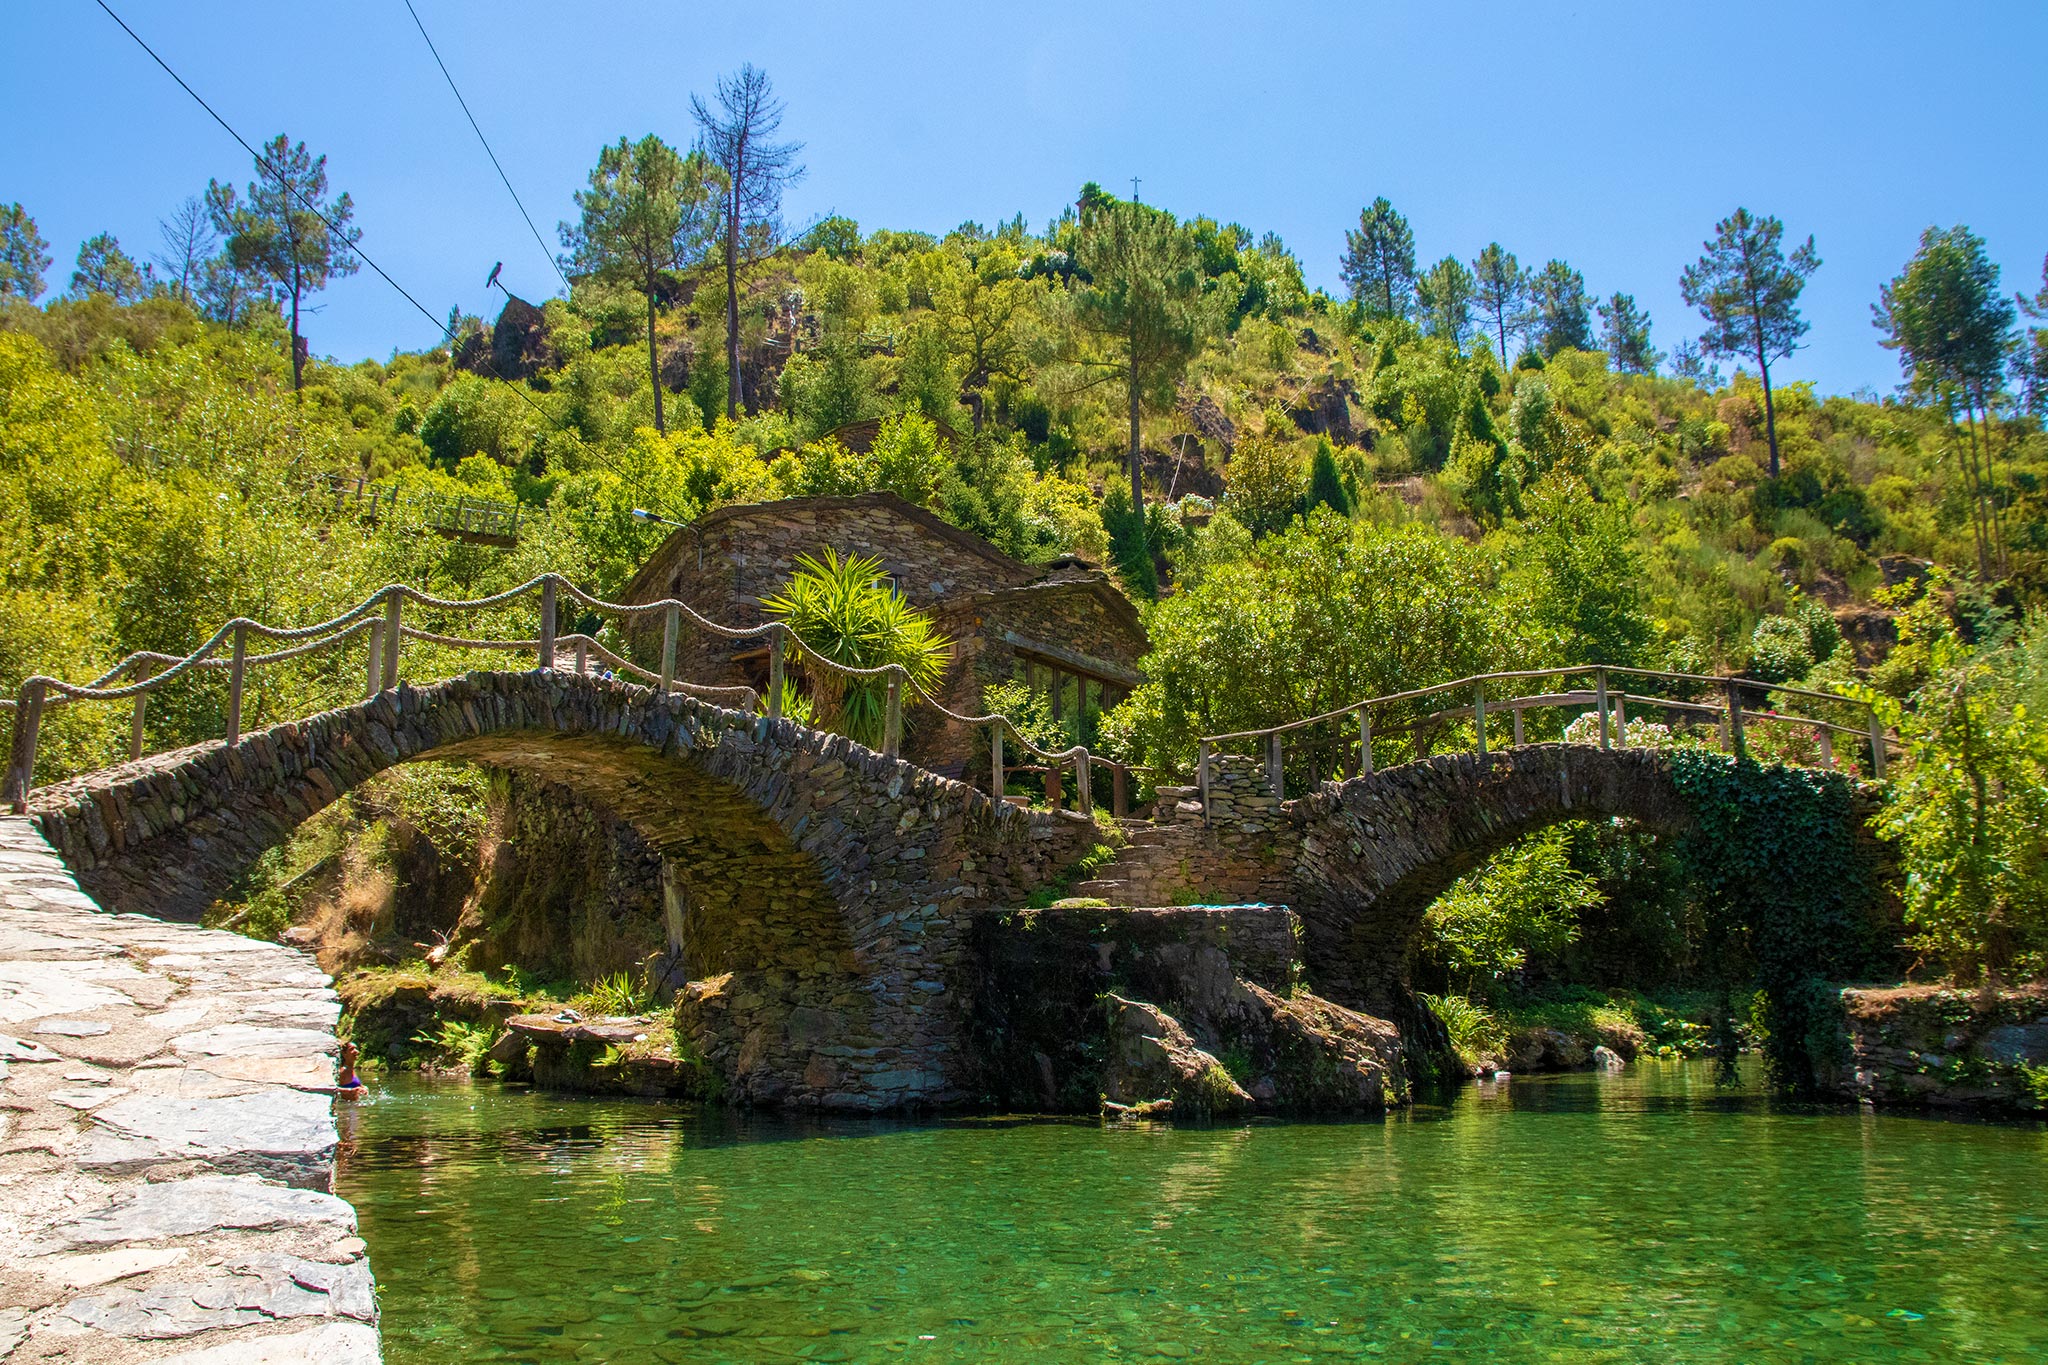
(167,1140)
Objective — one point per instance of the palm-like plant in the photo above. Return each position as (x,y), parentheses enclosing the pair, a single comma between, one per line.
(845,610)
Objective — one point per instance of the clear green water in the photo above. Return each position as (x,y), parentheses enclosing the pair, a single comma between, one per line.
(1642,1217)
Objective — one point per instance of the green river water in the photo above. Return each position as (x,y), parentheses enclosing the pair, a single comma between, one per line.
(1638,1217)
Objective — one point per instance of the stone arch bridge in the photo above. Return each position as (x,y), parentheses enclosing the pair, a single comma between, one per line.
(834,885)
(830,892)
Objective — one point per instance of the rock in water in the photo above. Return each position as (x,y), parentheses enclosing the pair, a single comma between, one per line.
(1607,1059)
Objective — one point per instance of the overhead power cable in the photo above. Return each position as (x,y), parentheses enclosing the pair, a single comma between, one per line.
(537,239)
(447,332)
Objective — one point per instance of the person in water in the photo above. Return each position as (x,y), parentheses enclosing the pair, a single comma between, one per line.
(346,1069)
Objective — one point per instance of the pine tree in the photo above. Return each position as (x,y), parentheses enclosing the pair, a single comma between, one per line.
(1379,261)
(1563,312)
(649,213)
(1748,291)
(281,232)
(1625,333)
(24,255)
(1325,484)
(1503,294)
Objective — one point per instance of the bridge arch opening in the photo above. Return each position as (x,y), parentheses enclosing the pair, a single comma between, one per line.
(1378,851)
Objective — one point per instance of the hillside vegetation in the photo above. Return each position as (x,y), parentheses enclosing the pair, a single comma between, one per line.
(1313,498)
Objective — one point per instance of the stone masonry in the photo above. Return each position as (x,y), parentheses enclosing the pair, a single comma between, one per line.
(1945,1047)
(167,1140)
(825,889)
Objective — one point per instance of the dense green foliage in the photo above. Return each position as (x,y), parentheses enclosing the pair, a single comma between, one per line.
(1969,809)
(1773,862)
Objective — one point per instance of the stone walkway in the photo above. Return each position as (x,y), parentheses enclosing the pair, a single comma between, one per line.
(167,1140)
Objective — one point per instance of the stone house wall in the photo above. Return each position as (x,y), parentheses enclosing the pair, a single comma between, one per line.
(728,560)
(986,603)
(1080,622)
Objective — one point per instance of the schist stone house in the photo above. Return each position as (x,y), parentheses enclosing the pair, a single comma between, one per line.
(1064,628)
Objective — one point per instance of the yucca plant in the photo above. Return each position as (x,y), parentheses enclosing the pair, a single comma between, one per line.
(847,611)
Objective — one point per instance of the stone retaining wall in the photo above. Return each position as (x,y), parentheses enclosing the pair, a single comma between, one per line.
(167,1140)
(1946,1048)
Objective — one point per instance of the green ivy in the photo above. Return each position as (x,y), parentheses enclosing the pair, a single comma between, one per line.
(1773,855)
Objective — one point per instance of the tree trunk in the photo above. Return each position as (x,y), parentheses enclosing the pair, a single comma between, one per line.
(1992,511)
(732,301)
(1979,531)
(1770,412)
(653,362)
(1137,454)
(298,364)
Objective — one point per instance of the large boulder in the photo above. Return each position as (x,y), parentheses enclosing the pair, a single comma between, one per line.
(1151,1056)
(1303,1053)
(1326,410)
(516,346)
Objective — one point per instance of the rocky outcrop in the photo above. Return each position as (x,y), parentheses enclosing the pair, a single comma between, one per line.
(1202,1007)
(1944,1047)
(1152,1057)
(516,348)
(167,1139)
(1210,422)
(1326,410)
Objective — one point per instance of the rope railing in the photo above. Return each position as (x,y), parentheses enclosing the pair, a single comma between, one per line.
(1609,704)
(381,617)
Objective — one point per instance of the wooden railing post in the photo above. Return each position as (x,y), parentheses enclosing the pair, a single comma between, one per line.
(1876,747)
(671,626)
(238,664)
(892,715)
(1827,745)
(21,755)
(1600,701)
(1736,741)
(1119,791)
(1479,715)
(582,656)
(775,673)
(1517,713)
(1364,742)
(141,709)
(1202,778)
(394,636)
(1621,720)
(373,666)
(1084,792)
(1275,778)
(547,624)
(997,783)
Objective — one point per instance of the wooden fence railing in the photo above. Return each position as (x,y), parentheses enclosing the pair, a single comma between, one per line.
(379,623)
(1609,704)
(487,520)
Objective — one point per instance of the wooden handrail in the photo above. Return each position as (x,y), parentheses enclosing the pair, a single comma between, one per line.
(1511,675)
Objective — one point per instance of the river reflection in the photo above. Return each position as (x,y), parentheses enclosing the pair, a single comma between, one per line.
(1646,1217)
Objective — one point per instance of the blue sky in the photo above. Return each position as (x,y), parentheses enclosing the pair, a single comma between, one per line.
(1610,134)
